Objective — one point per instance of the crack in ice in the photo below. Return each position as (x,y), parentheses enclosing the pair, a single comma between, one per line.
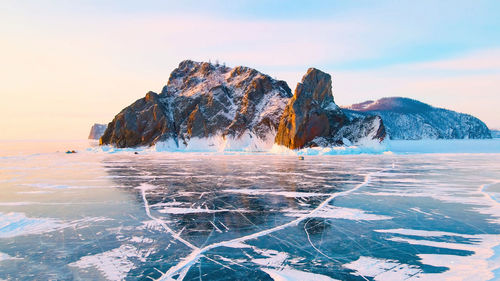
(174,234)
(180,270)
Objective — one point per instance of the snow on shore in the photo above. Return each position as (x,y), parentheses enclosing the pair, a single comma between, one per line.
(386,147)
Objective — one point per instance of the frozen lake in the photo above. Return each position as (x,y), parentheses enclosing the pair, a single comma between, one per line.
(115,216)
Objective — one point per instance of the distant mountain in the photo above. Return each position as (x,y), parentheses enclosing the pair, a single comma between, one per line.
(495,133)
(96,131)
(410,119)
(214,106)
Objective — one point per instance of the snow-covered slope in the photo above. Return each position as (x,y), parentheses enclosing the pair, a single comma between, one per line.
(409,119)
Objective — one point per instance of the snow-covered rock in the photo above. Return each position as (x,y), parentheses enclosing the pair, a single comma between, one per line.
(408,119)
(97,131)
(207,107)
(202,101)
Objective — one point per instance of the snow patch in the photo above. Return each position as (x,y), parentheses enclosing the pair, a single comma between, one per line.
(422,233)
(246,143)
(4,256)
(249,143)
(363,147)
(113,264)
(289,274)
(289,194)
(177,210)
(141,240)
(383,269)
(481,265)
(273,258)
(333,212)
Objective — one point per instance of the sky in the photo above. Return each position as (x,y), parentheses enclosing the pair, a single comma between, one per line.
(65,65)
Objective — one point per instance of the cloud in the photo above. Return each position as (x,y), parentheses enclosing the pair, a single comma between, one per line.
(258,43)
(482,60)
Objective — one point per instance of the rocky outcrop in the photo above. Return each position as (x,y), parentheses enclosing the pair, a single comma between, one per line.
(216,105)
(206,101)
(409,119)
(142,123)
(96,131)
(312,118)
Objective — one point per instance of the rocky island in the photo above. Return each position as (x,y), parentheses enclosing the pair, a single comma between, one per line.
(208,106)
(238,107)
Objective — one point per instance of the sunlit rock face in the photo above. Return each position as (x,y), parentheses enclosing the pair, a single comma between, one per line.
(213,100)
(203,100)
(312,118)
(409,119)
(96,131)
(142,123)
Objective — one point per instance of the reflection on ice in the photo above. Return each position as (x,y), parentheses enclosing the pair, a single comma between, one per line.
(260,217)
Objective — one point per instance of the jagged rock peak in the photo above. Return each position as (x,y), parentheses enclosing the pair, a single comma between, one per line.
(193,77)
(192,68)
(312,118)
(204,100)
(311,112)
(318,84)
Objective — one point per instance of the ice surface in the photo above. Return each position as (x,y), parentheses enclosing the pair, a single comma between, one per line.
(273,192)
(444,146)
(17,224)
(332,212)
(262,216)
(290,274)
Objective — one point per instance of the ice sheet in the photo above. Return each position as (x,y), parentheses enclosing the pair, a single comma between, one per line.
(186,215)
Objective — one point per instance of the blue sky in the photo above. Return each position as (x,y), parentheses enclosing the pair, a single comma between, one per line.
(103,55)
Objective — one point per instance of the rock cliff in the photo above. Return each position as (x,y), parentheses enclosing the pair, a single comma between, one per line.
(215,107)
(96,131)
(203,101)
(312,118)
